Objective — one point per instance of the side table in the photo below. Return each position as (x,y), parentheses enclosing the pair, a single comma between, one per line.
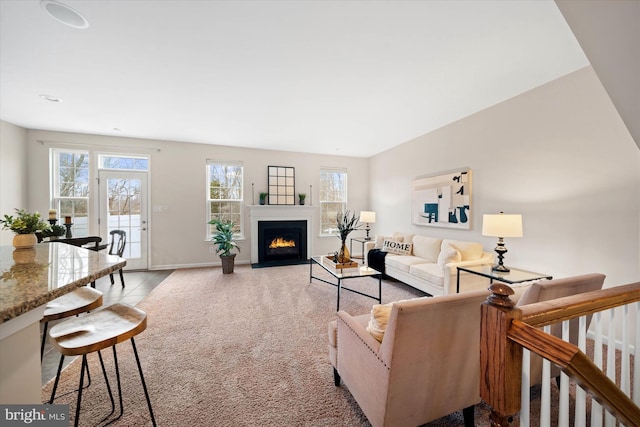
(514,276)
(360,240)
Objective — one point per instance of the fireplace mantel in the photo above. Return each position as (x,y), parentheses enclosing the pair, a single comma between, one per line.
(279,213)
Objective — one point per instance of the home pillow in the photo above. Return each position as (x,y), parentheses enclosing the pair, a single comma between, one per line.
(448,254)
(378,322)
(395,247)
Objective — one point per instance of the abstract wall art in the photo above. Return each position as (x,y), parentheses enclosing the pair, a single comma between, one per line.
(442,200)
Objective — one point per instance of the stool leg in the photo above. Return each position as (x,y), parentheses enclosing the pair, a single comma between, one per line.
(144,384)
(55,383)
(115,361)
(44,339)
(106,380)
(84,364)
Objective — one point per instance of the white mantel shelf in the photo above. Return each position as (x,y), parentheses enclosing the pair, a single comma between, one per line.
(279,213)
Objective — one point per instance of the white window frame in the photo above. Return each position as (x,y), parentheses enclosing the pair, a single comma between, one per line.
(237,216)
(79,229)
(329,198)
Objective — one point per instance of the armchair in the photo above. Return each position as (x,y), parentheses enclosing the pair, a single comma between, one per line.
(424,368)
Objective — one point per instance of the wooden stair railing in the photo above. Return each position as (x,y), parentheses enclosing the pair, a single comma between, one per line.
(505,330)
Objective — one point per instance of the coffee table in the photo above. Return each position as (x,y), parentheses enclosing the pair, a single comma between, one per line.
(343,274)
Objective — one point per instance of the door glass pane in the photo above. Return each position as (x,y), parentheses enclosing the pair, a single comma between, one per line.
(124,212)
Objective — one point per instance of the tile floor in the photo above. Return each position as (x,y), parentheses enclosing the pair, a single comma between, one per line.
(137,285)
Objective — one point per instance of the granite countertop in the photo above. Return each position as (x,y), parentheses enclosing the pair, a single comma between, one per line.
(30,278)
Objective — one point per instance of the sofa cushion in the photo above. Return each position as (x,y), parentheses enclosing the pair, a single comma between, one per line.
(396,247)
(379,241)
(447,255)
(430,272)
(403,237)
(470,251)
(378,320)
(426,247)
(403,262)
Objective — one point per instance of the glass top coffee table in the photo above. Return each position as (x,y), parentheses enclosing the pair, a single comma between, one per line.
(343,274)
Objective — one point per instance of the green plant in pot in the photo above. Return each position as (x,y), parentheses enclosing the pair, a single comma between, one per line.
(346,223)
(301,198)
(55,232)
(25,225)
(263,198)
(225,239)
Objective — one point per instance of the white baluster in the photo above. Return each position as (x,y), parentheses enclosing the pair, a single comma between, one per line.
(596,408)
(545,398)
(625,372)
(636,353)
(563,410)
(525,391)
(609,420)
(581,407)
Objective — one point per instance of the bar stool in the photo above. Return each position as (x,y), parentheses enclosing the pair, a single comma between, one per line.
(80,300)
(97,331)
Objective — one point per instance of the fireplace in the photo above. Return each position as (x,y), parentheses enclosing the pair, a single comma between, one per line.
(282,242)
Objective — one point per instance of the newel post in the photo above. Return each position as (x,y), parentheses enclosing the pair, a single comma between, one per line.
(500,358)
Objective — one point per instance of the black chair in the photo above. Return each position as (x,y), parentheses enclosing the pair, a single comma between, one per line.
(116,247)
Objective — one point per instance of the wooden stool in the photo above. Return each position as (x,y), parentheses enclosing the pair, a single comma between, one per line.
(81,300)
(97,331)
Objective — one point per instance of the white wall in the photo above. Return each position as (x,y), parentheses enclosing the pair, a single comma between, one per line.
(13,173)
(178,181)
(559,155)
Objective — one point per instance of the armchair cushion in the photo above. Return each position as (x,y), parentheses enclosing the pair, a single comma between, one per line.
(378,320)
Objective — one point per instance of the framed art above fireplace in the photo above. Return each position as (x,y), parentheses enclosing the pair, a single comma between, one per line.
(282,185)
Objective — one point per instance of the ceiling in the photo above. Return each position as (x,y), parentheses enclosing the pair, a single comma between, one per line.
(351,78)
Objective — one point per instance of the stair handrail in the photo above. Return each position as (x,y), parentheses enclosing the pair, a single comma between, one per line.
(506,329)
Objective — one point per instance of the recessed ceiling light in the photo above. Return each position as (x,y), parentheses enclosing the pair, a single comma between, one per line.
(50,98)
(63,13)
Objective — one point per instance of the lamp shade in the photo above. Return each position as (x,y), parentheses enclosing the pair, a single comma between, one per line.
(368,217)
(501,225)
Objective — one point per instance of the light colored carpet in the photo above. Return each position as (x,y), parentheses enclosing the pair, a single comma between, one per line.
(246,349)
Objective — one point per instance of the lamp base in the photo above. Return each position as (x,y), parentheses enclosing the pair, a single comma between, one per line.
(500,250)
(501,268)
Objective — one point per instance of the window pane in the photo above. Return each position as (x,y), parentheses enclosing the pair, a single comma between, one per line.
(225,194)
(124,163)
(333,199)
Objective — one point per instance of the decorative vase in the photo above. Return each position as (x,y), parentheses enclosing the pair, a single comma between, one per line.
(262,200)
(228,262)
(301,202)
(344,255)
(24,241)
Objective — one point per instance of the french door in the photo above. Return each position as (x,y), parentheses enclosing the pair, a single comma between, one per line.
(123,206)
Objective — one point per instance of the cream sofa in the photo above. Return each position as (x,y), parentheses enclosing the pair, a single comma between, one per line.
(431,264)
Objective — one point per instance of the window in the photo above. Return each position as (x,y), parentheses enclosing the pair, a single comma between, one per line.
(333,198)
(224,193)
(70,192)
(124,163)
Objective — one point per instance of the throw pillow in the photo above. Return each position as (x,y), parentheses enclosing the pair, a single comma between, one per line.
(447,255)
(380,241)
(396,247)
(379,319)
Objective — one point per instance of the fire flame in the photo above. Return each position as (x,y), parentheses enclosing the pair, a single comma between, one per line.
(279,242)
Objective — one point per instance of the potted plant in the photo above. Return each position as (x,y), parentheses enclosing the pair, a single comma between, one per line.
(55,232)
(263,198)
(301,197)
(347,222)
(25,226)
(224,238)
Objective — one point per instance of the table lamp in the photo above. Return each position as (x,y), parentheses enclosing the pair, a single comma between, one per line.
(368,218)
(501,226)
